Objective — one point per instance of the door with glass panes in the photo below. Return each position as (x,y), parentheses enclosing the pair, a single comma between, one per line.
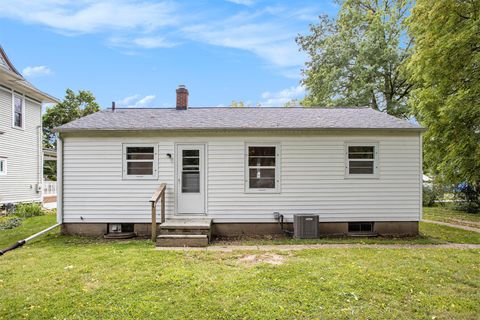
(190,179)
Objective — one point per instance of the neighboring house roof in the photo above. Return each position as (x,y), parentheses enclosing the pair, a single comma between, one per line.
(257,118)
(6,64)
(49,155)
(12,77)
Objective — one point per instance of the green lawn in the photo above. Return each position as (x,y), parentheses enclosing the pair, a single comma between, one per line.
(332,240)
(448,234)
(28,227)
(82,278)
(452,216)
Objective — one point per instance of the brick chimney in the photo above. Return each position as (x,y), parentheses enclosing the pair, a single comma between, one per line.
(182,97)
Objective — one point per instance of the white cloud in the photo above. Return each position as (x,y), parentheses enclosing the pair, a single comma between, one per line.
(268,32)
(279,98)
(270,41)
(36,71)
(153,42)
(243,2)
(136,101)
(86,16)
(142,42)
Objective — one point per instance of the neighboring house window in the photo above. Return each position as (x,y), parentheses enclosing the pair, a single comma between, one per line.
(140,162)
(361,160)
(18,111)
(3,167)
(262,163)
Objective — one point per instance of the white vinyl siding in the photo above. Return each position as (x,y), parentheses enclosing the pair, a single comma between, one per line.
(21,148)
(312,170)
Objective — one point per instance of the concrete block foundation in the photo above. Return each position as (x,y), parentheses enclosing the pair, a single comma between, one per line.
(382,228)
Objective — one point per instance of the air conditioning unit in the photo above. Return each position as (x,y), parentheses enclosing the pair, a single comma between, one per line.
(305,226)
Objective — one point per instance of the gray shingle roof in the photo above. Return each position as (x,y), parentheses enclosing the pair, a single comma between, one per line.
(238,119)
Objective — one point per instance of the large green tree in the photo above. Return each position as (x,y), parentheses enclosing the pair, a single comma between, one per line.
(72,107)
(445,67)
(355,59)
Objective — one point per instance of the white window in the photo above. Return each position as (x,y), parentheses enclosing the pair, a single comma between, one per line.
(140,161)
(262,168)
(3,167)
(18,111)
(361,160)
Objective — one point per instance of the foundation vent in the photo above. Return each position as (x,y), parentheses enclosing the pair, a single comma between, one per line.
(305,226)
(120,231)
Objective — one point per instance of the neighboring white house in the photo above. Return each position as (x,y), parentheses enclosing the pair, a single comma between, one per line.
(238,166)
(20,136)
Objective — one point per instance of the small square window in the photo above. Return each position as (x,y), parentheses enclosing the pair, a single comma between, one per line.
(3,167)
(139,162)
(361,160)
(262,173)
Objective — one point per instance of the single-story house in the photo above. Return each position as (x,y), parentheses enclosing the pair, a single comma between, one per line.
(240,169)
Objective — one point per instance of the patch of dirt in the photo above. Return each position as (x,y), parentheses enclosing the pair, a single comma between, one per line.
(453,225)
(466,223)
(270,258)
(93,284)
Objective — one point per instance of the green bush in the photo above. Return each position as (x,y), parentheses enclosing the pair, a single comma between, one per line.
(28,210)
(9,222)
(429,196)
(469,198)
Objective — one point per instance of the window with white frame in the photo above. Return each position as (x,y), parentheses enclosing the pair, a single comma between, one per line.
(139,162)
(18,111)
(262,168)
(3,166)
(361,160)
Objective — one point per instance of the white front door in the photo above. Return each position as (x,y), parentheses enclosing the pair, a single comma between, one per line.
(190,178)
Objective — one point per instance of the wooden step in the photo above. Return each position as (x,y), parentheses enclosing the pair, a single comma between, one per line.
(192,231)
(183,227)
(186,224)
(187,240)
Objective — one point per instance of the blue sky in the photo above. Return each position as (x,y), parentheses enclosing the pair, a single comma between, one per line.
(137,52)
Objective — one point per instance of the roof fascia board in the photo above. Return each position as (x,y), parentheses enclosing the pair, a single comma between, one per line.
(16,84)
(103,132)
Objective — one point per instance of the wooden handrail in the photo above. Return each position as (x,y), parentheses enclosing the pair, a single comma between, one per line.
(159,193)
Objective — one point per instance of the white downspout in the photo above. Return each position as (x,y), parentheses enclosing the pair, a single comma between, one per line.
(59,179)
(40,162)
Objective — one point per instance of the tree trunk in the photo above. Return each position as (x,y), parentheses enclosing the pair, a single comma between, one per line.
(374,101)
